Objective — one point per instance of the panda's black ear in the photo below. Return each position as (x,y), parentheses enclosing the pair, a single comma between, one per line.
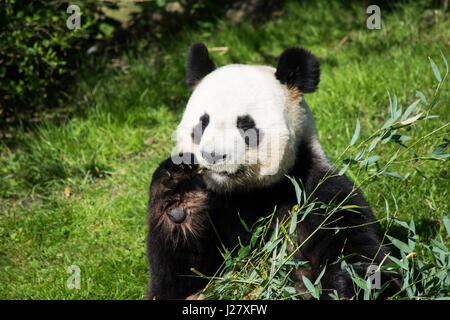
(298,68)
(198,64)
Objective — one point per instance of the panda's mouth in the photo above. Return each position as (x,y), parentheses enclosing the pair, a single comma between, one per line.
(225,173)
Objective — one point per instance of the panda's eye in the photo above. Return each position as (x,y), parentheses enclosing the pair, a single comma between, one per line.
(199,128)
(248,130)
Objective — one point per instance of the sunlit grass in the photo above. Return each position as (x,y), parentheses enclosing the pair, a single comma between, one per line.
(75,193)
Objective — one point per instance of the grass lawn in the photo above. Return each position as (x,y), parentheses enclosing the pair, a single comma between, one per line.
(74,192)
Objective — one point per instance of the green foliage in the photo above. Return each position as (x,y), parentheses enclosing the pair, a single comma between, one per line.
(392,132)
(57,209)
(422,278)
(40,56)
(38,51)
(261,269)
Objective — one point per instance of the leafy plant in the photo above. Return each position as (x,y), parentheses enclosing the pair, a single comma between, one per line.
(262,268)
(38,53)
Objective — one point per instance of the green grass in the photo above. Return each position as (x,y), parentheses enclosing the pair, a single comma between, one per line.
(75,192)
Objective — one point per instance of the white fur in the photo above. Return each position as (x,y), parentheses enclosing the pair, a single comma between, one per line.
(238,90)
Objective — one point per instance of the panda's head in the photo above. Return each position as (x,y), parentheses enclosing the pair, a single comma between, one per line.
(243,122)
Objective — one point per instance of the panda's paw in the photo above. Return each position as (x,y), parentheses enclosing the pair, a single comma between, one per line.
(177,215)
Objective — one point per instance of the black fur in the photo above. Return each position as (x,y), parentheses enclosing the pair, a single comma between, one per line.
(358,233)
(198,64)
(172,252)
(298,68)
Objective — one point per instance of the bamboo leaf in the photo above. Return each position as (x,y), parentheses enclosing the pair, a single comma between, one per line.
(342,171)
(374,143)
(412,235)
(356,134)
(400,138)
(311,288)
(411,120)
(443,59)
(394,107)
(400,244)
(402,223)
(422,96)
(360,282)
(351,208)
(442,155)
(307,211)
(433,102)
(388,123)
(243,223)
(370,160)
(298,191)
(447,224)
(389,163)
(320,276)
(428,117)
(440,245)
(293,224)
(435,70)
(437,152)
(390,104)
(392,174)
(409,110)
(387,208)
(392,196)
(349,161)
(360,154)
(243,252)
(399,263)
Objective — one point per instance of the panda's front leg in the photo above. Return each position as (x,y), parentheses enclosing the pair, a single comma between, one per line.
(174,247)
(180,236)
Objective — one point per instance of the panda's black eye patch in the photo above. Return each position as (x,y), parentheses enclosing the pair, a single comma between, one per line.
(248,130)
(245,122)
(204,119)
(199,128)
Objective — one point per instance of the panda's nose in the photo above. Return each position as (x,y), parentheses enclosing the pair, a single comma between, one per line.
(213,157)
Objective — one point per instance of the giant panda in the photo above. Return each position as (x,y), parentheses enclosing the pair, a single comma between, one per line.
(249,128)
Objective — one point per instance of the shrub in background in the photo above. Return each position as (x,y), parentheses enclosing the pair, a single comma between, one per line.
(38,53)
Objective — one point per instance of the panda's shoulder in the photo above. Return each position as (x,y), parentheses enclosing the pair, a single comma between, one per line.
(327,185)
